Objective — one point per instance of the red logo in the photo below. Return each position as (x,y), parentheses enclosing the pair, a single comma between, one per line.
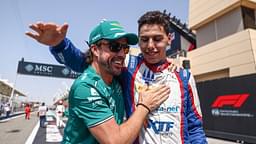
(235,100)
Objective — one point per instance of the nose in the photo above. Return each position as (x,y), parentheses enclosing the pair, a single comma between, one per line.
(121,52)
(151,43)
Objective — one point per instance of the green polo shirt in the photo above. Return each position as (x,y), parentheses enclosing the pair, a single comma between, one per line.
(91,102)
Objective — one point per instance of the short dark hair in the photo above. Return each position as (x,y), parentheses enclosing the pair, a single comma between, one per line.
(88,56)
(155,17)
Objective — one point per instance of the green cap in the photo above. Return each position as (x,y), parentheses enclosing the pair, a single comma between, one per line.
(111,30)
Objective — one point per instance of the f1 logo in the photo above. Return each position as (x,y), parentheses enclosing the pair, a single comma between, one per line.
(235,100)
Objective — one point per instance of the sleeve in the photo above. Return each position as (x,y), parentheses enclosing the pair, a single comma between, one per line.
(66,53)
(91,106)
(194,115)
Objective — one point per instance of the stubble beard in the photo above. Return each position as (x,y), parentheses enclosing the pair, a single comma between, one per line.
(106,64)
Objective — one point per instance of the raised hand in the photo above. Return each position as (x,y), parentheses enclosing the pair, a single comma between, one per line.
(153,97)
(50,34)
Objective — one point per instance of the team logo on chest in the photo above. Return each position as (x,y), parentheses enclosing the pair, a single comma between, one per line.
(148,76)
(163,77)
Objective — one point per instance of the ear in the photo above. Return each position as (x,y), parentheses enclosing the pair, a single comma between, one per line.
(95,50)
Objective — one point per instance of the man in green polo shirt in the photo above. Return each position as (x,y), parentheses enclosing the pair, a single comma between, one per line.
(96,105)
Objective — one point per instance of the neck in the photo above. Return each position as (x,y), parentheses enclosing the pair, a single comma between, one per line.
(107,78)
(158,67)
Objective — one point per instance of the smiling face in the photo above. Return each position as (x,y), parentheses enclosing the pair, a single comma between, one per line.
(111,62)
(153,42)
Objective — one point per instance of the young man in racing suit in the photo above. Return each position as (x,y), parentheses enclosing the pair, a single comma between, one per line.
(179,118)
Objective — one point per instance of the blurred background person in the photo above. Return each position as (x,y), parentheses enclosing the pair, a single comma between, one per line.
(27,111)
(7,109)
(42,114)
(60,109)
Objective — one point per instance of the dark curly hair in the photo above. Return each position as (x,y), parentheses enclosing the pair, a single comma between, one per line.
(155,17)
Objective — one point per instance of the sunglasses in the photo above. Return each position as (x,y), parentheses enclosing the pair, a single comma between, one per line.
(116,47)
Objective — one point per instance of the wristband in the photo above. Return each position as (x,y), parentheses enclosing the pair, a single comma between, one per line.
(143,106)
